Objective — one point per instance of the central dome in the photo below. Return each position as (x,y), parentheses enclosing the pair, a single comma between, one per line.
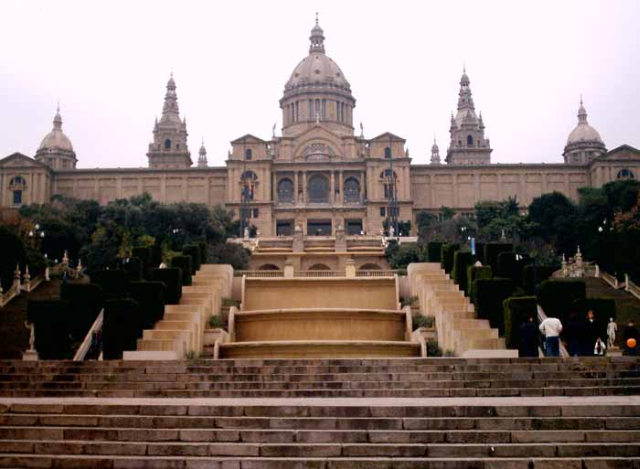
(317,69)
(583,132)
(56,139)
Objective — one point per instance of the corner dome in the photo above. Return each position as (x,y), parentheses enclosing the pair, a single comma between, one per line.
(583,132)
(56,139)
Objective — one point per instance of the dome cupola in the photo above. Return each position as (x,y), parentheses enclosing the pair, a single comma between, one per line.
(56,150)
(584,142)
(317,91)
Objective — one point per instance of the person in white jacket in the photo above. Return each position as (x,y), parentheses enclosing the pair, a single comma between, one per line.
(551,329)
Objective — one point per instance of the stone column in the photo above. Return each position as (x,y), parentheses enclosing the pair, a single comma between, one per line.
(304,187)
(332,195)
(341,187)
(296,175)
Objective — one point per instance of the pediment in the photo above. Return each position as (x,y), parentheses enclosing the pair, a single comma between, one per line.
(388,136)
(318,144)
(623,152)
(18,160)
(247,139)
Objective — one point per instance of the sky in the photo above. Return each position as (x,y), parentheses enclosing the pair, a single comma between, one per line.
(107,64)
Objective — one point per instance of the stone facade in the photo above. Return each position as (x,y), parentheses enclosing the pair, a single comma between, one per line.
(318,174)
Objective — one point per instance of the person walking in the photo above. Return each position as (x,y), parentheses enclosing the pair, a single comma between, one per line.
(591,332)
(528,338)
(600,348)
(551,329)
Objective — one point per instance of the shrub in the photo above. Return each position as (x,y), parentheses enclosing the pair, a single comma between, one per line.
(480,252)
(474,273)
(134,268)
(85,301)
(172,279)
(51,322)
(194,251)
(423,321)
(434,251)
(488,296)
(446,256)
(216,322)
(13,253)
(404,255)
(557,297)
(156,255)
(491,252)
(461,262)
(150,297)
(184,264)
(121,328)
(227,253)
(432,348)
(515,312)
(506,265)
(604,308)
(202,245)
(144,254)
(532,276)
(113,283)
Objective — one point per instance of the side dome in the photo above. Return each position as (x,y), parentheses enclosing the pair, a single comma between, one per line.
(56,139)
(583,132)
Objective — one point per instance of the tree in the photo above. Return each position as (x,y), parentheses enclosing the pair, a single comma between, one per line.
(13,252)
(554,216)
(447,213)
(230,253)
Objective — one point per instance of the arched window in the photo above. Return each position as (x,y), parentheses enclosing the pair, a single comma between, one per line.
(268,267)
(248,154)
(319,267)
(16,186)
(285,190)
(17,181)
(625,174)
(469,140)
(387,152)
(167,144)
(318,189)
(351,190)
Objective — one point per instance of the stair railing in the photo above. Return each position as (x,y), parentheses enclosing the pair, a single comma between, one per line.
(92,344)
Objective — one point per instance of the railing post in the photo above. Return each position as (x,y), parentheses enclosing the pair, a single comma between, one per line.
(626,282)
(597,271)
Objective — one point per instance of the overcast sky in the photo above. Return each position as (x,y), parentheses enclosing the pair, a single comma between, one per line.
(108,64)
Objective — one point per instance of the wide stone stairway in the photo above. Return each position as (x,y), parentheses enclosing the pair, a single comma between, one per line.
(345,413)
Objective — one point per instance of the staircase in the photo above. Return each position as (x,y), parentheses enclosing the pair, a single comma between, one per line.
(627,305)
(459,330)
(421,432)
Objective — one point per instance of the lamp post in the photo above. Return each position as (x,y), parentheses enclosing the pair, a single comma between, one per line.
(36,236)
(391,197)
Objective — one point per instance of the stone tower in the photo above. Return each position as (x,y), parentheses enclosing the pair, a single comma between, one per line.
(468,145)
(317,92)
(56,149)
(202,157)
(584,142)
(169,147)
(435,153)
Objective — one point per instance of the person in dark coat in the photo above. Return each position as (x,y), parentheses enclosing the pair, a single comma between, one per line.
(630,332)
(591,333)
(575,334)
(529,335)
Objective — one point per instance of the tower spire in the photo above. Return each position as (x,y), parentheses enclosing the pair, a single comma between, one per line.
(435,152)
(582,113)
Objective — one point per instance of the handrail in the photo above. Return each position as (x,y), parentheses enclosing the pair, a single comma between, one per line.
(92,339)
(633,289)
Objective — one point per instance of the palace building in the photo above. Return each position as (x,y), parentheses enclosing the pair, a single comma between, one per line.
(318,174)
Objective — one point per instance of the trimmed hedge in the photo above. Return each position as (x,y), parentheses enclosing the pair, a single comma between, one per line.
(491,252)
(461,262)
(85,301)
(156,256)
(203,251)
(184,264)
(488,297)
(150,297)
(51,322)
(532,276)
(446,256)
(507,265)
(144,254)
(134,267)
(475,273)
(113,282)
(515,312)
(172,279)
(480,252)
(603,308)
(194,251)
(121,328)
(434,251)
(557,297)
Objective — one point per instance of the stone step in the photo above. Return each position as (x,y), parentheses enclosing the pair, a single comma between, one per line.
(20,461)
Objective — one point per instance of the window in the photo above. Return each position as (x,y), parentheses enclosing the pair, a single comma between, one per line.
(469,140)
(255,213)
(17,197)
(383,212)
(625,174)
(167,144)
(318,189)
(351,191)
(285,190)
(387,152)
(248,181)
(248,154)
